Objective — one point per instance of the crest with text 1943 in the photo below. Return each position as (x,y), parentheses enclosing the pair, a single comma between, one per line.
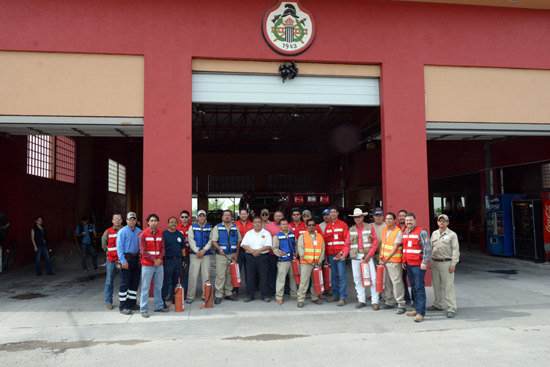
(288,28)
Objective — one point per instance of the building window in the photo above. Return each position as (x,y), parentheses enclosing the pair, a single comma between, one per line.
(546,176)
(65,159)
(40,155)
(41,152)
(117,177)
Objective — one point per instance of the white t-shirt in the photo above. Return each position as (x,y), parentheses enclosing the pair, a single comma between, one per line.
(257,240)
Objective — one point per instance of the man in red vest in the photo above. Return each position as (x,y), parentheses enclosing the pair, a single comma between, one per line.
(151,247)
(335,237)
(108,242)
(417,252)
(401,217)
(297,226)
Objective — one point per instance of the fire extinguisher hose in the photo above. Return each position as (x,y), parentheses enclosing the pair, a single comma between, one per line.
(206,300)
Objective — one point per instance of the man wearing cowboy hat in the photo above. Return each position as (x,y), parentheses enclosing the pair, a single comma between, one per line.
(361,243)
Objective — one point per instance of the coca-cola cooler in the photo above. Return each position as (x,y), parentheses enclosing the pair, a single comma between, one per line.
(546,222)
(527,222)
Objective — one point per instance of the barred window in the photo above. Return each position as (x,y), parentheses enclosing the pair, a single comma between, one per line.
(65,159)
(117,177)
(40,155)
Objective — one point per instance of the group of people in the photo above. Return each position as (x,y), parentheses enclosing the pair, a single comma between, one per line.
(266,249)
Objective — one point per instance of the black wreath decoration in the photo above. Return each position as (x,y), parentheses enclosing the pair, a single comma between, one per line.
(288,71)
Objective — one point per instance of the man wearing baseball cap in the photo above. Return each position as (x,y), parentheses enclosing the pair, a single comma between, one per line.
(264,215)
(200,244)
(445,256)
(326,219)
(127,243)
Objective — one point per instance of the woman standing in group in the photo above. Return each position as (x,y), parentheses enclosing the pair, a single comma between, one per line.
(40,243)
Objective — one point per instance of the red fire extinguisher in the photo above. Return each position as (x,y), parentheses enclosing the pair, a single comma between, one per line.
(327,277)
(296,270)
(178,296)
(208,295)
(318,280)
(235,274)
(380,278)
(365,274)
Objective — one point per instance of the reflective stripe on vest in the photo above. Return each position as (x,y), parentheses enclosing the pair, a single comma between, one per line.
(112,254)
(312,253)
(388,243)
(354,240)
(286,244)
(228,245)
(201,236)
(152,246)
(411,247)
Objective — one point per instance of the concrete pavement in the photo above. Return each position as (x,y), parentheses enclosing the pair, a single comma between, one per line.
(502,319)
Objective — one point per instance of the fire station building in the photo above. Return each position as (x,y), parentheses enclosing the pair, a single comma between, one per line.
(117,105)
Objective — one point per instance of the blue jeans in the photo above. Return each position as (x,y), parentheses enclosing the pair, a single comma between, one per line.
(111,272)
(91,249)
(416,278)
(338,276)
(43,250)
(157,274)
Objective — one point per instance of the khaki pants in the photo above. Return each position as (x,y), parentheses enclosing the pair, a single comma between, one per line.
(394,285)
(223,276)
(196,265)
(305,276)
(444,285)
(284,268)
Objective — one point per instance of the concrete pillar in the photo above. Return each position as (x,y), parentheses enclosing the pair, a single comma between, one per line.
(167,142)
(404,152)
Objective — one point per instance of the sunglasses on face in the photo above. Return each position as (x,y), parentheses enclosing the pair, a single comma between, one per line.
(311,225)
(265,215)
(184,216)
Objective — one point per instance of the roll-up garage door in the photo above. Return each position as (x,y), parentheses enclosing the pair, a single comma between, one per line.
(250,89)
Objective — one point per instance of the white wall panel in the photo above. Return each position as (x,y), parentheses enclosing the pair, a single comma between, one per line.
(269,89)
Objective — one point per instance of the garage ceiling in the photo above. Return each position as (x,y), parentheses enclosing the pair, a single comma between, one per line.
(72,126)
(268,125)
(482,131)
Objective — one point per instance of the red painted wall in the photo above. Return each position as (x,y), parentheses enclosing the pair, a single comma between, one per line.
(25,197)
(401,37)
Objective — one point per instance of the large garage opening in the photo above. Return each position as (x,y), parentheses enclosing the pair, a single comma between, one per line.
(71,133)
(487,129)
(314,133)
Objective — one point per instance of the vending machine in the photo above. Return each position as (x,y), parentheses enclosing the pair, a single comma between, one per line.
(500,231)
(527,221)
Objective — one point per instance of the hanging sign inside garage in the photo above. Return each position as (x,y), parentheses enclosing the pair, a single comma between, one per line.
(288,28)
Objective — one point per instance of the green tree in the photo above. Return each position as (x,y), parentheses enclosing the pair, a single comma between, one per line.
(215,204)
(233,207)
